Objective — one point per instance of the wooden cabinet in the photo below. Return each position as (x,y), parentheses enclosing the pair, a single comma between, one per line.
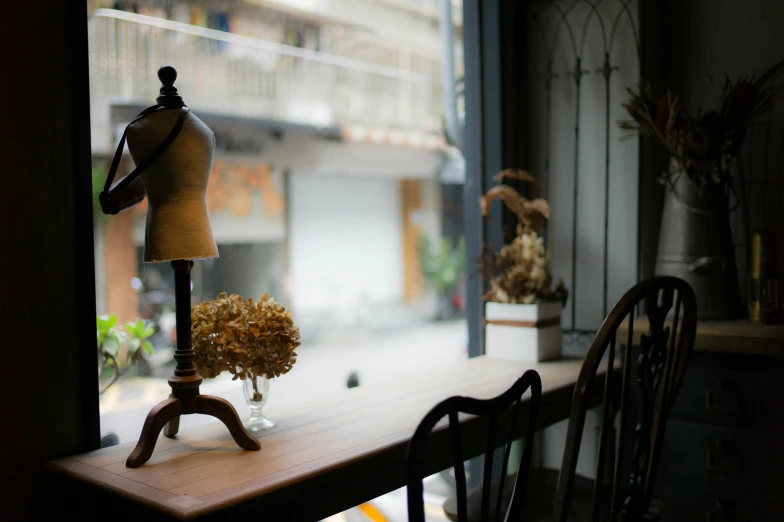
(699,502)
(723,458)
(725,455)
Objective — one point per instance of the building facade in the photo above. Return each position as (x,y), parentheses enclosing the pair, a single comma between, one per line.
(330,155)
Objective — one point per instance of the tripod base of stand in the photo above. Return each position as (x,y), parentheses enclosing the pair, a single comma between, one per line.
(167,413)
(185,397)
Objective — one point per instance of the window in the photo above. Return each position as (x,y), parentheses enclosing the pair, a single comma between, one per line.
(334,188)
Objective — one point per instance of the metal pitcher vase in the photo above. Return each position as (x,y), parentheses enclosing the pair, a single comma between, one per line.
(695,244)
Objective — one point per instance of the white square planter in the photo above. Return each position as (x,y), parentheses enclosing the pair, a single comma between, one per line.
(523,332)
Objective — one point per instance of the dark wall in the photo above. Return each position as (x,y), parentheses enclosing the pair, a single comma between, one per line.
(686,41)
(656,67)
(47,352)
(720,36)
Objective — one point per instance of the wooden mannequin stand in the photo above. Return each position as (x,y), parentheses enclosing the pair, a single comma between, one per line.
(185,398)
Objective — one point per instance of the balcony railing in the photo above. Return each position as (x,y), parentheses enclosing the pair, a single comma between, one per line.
(233,74)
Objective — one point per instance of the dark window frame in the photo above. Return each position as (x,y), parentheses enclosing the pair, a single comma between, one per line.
(494,50)
(491,142)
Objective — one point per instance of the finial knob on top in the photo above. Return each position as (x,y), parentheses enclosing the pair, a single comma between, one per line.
(168,94)
(167,75)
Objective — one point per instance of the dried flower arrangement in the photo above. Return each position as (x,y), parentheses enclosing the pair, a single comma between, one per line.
(701,143)
(242,336)
(520,271)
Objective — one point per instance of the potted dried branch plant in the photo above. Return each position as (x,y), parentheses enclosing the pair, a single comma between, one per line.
(695,242)
(254,340)
(522,306)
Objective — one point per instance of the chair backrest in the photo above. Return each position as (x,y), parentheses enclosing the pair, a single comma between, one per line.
(642,393)
(502,410)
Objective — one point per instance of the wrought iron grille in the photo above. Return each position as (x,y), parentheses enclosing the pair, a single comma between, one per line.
(583,55)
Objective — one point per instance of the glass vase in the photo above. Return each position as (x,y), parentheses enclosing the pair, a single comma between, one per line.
(256,390)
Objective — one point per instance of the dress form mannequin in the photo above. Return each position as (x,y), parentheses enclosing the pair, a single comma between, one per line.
(178,224)
(173,152)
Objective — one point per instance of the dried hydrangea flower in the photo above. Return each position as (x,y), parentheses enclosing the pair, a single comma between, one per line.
(239,335)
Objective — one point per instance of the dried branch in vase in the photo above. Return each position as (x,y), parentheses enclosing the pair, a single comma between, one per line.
(703,143)
(520,271)
(241,335)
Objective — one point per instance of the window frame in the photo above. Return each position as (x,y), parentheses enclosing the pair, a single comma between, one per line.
(487,149)
(494,50)
(84,246)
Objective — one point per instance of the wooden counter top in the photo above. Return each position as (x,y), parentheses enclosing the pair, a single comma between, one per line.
(740,336)
(321,458)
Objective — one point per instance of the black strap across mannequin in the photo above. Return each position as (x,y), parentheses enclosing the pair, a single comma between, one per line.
(108,198)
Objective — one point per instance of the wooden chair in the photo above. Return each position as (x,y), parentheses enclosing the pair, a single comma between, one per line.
(500,412)
(640,397)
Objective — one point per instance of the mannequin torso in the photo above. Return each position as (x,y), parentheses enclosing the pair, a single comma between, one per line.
(178,223)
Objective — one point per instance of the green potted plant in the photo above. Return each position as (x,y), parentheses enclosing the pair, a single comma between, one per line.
(442,268)
(120,348)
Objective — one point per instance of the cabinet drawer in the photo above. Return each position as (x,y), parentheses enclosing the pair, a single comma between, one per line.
(712,395)
(698,502)
(731,392)
(738,457)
